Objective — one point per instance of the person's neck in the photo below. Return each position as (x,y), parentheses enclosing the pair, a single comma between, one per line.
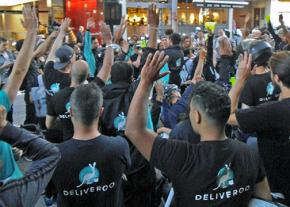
(85,133)
(261,70)
(208,135)
(285,93)
(74,84)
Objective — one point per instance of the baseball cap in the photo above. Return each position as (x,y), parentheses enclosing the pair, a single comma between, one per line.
(63,56)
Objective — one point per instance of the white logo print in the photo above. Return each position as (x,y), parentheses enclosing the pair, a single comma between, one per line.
(225,177)
(89,175)
(120,122)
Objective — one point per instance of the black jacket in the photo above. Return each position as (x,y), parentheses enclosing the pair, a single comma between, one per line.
(27,190)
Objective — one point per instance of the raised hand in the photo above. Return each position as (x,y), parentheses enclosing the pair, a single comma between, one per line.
(281,19)
(152,67)
(3,115)
(64,27)
(247,18)
(153,15)
(244,70)
(120,31)
(90,23)
(30,20)
(106,34)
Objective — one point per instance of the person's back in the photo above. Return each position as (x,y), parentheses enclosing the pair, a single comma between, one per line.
(176,57)
(90,171)
(211,173)
(91,168)
(57,74)
(117,98)
(271,122)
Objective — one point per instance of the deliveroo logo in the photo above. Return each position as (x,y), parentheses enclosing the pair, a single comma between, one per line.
(54,88)
(120,122)
(225,177)
(89,175)
(67,107)
(178,62)
(270,89)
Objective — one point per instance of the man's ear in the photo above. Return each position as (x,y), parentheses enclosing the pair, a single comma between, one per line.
(276,79)
(197,117)
(70,112)
(101,111)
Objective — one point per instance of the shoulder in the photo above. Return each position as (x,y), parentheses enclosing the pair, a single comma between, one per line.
(48,66)
(117,142)
(65,92)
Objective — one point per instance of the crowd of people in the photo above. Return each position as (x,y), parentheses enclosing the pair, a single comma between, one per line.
(158,120)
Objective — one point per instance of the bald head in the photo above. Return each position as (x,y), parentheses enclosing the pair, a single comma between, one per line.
(79,72)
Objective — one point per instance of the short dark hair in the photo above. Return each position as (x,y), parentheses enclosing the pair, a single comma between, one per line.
(86,102)
(175,39)
(2,39)
(280,65)
(122,72)
(169,32)
(213,101)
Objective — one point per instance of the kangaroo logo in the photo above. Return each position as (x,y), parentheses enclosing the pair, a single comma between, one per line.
(89,175)
(67,107)
(225,177)
(55,87)
(270,89)
(120,122)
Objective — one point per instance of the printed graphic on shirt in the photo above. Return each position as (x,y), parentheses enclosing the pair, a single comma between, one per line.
(120,122)
(178,62)
(54,88)
(67,107)
(66,115)
(270,89)
(225,177)
(89,175)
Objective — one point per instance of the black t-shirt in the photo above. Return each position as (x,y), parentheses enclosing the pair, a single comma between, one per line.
(89,172)
(54,80)
(259,89)
(271,122)
(212,173)
(59,106)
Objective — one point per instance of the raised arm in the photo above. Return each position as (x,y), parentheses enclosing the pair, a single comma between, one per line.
(243,74)
(153,23)
(88,53)
(59,40)
(105,71)
(136,130)
(120,31)
(282,24)
(44,47)
(245,28)
(199,68)
(23,60)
